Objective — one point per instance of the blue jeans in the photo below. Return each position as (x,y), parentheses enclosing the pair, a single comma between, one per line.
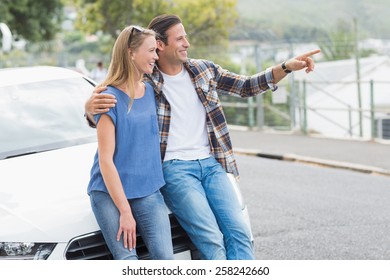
(203,200)
(151,216)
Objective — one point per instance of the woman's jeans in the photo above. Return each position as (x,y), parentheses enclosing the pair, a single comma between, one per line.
(203,200)
(151,216)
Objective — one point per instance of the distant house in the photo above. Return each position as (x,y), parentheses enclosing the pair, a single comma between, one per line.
(332,96)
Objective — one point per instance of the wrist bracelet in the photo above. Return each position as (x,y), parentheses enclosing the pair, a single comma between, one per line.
(285,68)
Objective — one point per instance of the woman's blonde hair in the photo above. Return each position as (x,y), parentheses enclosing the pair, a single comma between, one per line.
(122,69)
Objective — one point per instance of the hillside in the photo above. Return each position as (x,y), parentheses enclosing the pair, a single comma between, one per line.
(372,15)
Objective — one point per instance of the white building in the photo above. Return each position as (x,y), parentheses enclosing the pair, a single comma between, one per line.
(332,96)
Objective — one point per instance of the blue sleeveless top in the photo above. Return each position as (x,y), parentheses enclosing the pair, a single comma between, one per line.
(137,149)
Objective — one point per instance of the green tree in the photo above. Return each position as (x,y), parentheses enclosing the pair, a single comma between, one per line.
(206,21)
(111,16)
(31,19)
(339,42)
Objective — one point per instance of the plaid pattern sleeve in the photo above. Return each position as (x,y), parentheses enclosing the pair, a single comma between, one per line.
(209,81)
(163,109)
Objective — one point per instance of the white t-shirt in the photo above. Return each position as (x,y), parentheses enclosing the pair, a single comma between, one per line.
(188,138)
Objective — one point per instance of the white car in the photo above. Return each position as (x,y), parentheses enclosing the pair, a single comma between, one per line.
(46,154)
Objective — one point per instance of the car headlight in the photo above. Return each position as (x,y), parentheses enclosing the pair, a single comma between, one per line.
(25,250)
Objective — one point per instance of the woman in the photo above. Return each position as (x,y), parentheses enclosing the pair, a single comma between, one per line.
(126,174)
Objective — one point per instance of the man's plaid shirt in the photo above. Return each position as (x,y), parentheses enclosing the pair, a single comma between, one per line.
(209,81)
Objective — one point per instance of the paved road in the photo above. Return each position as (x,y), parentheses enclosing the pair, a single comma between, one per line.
(301,211)
(363,156)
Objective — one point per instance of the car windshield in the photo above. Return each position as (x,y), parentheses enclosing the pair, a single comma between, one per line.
(42,116)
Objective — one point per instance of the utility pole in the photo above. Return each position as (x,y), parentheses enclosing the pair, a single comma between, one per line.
(292,92)
(259,98)
(358,77)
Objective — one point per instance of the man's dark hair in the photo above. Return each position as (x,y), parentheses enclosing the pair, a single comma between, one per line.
(161,24)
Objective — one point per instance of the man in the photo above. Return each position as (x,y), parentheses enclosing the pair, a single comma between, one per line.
(99,73)
(194,139)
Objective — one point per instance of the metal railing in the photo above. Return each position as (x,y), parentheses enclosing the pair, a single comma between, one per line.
(256,112)
(370,112)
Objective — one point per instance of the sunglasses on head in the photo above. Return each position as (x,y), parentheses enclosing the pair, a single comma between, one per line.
(138,29)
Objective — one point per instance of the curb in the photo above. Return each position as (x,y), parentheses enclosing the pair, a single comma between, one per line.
(311,160)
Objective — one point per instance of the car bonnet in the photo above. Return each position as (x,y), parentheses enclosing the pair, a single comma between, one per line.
(43,196)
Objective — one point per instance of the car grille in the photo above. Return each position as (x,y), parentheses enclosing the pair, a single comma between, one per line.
(93,247)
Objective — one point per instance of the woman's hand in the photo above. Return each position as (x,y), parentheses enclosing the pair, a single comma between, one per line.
(127,227)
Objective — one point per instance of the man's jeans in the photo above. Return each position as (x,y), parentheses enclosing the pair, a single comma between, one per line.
(203,200)
(151,216)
